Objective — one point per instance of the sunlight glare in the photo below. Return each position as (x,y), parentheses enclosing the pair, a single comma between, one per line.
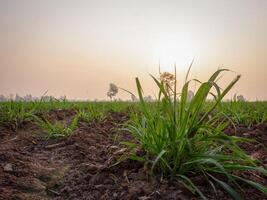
(172,50)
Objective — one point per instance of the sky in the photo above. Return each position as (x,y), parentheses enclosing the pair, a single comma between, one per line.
(77,47)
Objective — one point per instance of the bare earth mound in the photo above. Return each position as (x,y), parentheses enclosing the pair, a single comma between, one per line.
(80,167)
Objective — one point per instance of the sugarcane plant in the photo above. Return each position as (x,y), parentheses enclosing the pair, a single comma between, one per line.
(181,139)
(57,129)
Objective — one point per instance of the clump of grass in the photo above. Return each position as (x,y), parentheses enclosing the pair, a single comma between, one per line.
(57,129)
(181,139)
(15,113)
(90,113)
(248,113)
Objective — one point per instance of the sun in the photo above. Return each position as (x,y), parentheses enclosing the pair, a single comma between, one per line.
(179,50)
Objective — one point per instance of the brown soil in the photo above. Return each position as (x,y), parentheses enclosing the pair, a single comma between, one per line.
(80,167)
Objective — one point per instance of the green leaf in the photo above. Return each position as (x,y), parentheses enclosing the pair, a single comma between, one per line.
(227,188)
(190,185)
(253,184)
(157,159)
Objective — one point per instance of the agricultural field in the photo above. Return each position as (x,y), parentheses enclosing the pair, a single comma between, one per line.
(171,148)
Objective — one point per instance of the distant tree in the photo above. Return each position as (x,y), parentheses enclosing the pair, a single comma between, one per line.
(148,98)
(113,90)
(2,98)
(240,98)
(10,97)
(35,99)
(47,98)
(63,98)
(28,98)
(18,98)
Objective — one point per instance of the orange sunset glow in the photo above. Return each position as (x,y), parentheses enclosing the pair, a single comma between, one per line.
(76,48)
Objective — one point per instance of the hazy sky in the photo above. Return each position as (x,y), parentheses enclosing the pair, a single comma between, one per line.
(77,48)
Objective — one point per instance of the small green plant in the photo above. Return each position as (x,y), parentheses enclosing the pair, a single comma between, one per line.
(90,114)
(15,113)
(247,113)
(57,129)
(181,139)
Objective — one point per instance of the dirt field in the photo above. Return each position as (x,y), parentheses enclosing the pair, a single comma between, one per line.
(80,166)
